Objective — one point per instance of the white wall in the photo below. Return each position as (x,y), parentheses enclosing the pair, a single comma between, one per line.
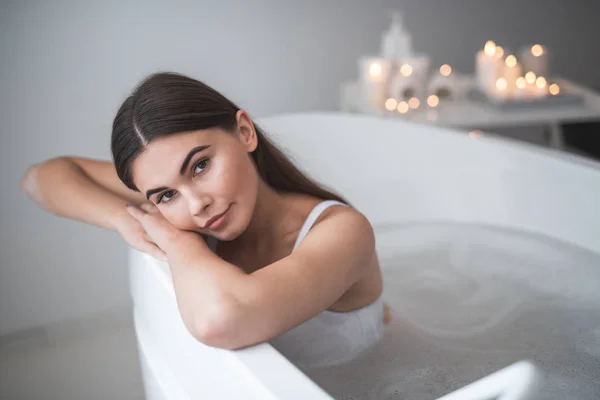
(66,66)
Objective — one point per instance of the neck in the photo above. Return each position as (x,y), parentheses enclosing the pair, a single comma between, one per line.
(269,218)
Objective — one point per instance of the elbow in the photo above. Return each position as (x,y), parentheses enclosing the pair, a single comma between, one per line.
(29,184)
(31,179)
(218,327)
(211,333)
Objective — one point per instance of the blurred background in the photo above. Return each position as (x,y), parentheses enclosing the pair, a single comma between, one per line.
(67,65)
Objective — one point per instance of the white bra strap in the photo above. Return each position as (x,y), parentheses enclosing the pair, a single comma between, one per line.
(312,217)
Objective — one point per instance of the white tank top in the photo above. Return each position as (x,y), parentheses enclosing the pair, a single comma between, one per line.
(330,338)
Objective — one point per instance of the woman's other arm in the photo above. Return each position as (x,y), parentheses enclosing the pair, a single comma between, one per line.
(81,189)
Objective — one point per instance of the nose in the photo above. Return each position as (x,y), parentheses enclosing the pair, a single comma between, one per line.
(197,204)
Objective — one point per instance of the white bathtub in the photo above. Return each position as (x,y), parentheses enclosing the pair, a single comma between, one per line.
(421,187)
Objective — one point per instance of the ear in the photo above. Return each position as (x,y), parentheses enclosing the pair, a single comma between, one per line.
(246,131)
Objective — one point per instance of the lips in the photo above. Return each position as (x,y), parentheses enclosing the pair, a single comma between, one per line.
(214,219)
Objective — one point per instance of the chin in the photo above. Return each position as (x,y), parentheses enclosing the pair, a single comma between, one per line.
(228,236)
(234,228)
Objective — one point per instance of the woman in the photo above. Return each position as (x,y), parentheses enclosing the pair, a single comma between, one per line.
(257,250)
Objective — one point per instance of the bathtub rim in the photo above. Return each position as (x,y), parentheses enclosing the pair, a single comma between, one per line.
(261,364)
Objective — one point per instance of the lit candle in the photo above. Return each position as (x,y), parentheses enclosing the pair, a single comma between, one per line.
(406,70)
(445,70)
(443,85)
(403,107)
(414,103)
(374,78)
(409,79)
(554,89)
(391,104)
(520,91)
(512,71)
(500,91)
(487,67)
(536,59)
(541,87)
(530,77)
(433,101)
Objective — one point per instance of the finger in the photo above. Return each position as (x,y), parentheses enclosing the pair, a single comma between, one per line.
(154,251)
(146,220)
(135,212)
(147,207)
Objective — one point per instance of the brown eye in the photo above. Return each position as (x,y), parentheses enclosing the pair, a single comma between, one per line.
(166,196)
(200,166)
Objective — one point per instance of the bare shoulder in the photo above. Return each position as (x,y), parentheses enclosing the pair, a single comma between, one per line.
(347,217)
(343,227)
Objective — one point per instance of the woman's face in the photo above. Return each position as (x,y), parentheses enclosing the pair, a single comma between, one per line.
(195,177)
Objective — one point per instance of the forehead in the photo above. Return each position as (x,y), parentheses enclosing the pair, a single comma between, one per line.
(161,159)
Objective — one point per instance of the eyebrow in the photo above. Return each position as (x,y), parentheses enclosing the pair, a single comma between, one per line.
(184,166)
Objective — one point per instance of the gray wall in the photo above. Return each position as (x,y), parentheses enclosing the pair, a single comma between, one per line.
(65,67)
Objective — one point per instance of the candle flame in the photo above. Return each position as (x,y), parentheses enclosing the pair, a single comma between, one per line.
(414,103)
(402,107)
(511,61)
(530,77)
(537,50)
(501,83)
(433,101)
(521,83)
(445,70)
(406,70)
(390,104)
(375,69)
(540,82)
(554,89)
(490,48)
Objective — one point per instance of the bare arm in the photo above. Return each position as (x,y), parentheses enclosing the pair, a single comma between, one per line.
(81,189)
(224,307)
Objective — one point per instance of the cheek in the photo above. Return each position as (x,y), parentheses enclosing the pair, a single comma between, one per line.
(179,216)
(234,178)
(246,179)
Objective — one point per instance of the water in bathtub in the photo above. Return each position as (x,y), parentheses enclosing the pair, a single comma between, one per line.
(469,300)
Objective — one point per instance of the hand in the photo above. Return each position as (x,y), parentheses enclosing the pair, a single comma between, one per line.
(160,231)
(134,234)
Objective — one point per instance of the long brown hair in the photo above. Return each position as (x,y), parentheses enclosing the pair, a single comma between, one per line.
(169,103)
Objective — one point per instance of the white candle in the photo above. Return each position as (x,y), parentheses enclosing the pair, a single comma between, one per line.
(536,59)
(433,101)
(520,90)
(499,93)
(512,71)
(442,86)
(374,79)
(554,89)
(445,70)
(488,68)
(403,107)
(391,104)
(540,88)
